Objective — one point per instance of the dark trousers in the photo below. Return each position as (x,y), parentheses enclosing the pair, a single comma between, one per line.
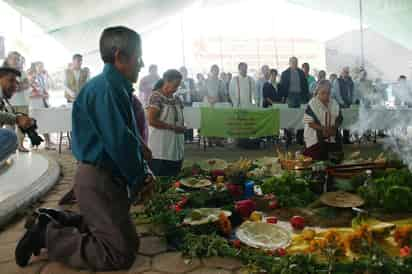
(165,167)
(106,238)
(322,151)
(294,100)
(346,136)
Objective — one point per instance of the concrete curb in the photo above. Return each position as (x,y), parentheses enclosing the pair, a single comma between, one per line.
(28,195)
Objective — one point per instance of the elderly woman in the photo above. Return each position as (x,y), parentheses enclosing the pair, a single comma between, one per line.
(322,118)
(166,126)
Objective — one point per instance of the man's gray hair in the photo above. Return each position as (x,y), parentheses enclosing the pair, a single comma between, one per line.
(323,84)
(293,58)
(121,39)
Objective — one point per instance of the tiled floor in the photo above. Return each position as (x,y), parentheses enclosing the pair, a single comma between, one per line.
(153,254)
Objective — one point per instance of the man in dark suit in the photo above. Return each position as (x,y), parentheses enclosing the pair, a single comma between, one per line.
(294,86)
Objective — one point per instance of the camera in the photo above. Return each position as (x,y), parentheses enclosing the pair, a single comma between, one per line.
(31,132)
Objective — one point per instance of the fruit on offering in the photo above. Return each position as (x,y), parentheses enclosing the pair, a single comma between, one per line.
(297,222)
(235,190)
(237,243)
(308,234)
(245,208)
(281,252)
(256,216)
(196,215)
(273,204)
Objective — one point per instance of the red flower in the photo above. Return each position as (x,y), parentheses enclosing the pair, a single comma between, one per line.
(177,184)
(405,251)
(273,204)
(236,243)
(281,252)
(176,208)
(183,201)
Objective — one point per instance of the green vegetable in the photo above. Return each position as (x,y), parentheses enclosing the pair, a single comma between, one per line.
(290,190)
(398,198)
(196,215)
(391,191)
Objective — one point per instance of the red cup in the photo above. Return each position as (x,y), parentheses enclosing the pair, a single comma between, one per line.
(272,220)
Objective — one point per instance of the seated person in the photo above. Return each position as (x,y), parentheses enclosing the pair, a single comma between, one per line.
(8,139)
(8,143)
(322,118)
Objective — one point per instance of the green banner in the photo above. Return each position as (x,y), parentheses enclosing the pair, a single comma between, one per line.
(239,123)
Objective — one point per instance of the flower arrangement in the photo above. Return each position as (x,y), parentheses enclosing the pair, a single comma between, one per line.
(359,241)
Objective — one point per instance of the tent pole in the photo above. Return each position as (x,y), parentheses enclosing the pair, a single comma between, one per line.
(361,34)
(183,39)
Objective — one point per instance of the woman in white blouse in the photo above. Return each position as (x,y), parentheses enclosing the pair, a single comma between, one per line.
(166,126)
(322,119)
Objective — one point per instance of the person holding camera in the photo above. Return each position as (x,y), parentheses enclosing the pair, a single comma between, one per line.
(8,86)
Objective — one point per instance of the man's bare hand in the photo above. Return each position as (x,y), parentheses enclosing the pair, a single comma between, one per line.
(147,153)
(178,129)
(148,190)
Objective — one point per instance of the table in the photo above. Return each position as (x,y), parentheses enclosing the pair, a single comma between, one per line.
(55,119)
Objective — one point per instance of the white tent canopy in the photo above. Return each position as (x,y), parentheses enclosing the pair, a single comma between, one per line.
(77,24)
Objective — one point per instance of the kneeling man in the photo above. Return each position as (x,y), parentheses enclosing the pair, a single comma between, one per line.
(112,171)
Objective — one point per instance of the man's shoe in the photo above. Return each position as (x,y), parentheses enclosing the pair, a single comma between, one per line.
(32,241)
(65,218)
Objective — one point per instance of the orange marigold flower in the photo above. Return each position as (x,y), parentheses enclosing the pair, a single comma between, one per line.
(332,236)
(403,235)
(225,224)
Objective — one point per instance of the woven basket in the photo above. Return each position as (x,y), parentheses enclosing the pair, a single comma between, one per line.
(296,164)
(341,199)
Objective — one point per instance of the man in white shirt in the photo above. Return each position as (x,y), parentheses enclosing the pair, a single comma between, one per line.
(265,78)
(242,88)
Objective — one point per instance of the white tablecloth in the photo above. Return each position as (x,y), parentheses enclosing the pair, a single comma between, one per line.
(60,119)
(289,117)
(56,119)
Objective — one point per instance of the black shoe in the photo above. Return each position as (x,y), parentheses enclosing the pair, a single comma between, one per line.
(65,218)
(32,241)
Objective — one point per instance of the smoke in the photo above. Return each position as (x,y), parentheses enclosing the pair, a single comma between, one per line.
(385,107)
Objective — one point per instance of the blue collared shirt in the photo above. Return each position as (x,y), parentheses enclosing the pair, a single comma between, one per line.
(104,128)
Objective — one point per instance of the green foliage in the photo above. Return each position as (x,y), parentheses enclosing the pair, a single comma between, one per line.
(210,198)
(201,246)
(398,198)
(391,191)
(327,212)
(344,185)
(290,190)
